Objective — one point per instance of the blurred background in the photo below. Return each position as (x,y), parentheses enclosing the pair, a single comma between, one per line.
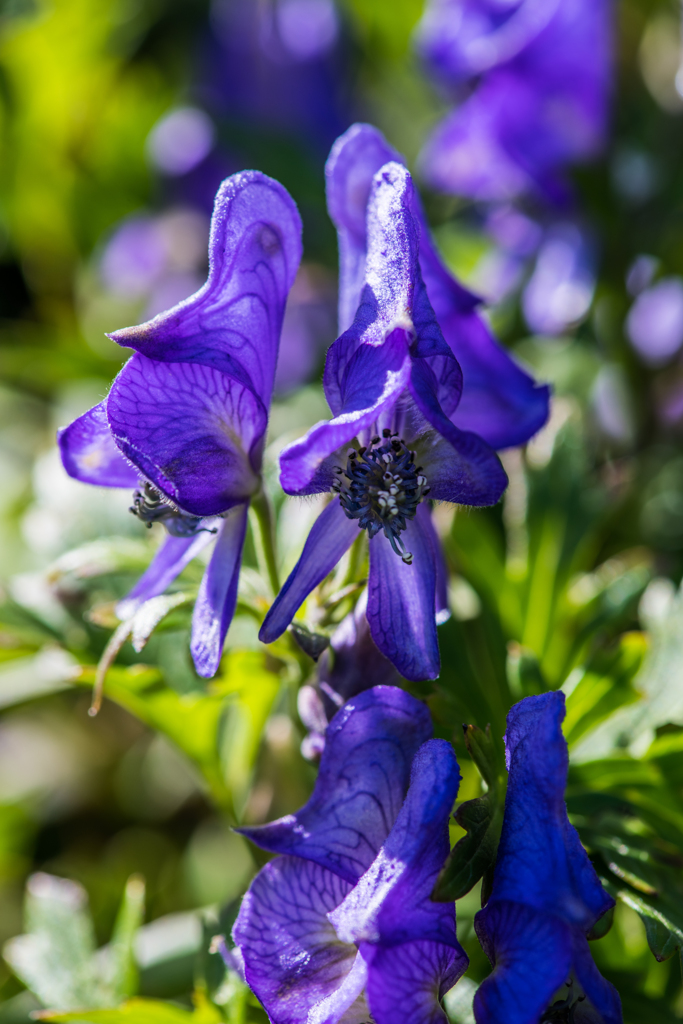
(118,120)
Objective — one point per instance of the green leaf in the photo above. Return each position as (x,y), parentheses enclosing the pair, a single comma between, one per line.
(135,1011)
(123,974)
(603,685)
(471,857)
(481,818)
(55,956)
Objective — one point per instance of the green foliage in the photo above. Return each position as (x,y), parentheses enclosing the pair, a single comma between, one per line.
(57,958)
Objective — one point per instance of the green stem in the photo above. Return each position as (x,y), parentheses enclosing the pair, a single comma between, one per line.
(264,539)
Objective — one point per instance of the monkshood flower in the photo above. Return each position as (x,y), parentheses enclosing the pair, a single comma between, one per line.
(185,420)
(499,401)
(396,390)
(546,895)
(341,927)
(391,381)
(538,104)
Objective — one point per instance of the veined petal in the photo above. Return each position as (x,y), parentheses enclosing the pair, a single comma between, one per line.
(541,861)
(441,608)
(603,999)
(500,402)
(471,473)
(374,379)
(364,774)
(402,604)
(233,322)
(391,904)
(293,960)
(532,956)
(195,432)
(405,983)
(215,604)
(331,535)
(168,562)
(354,160)
(393,295)
(89,452)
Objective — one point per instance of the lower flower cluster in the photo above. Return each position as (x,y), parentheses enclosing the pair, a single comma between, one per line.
(341,926)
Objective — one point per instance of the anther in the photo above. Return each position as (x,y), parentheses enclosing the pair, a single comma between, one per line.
(386,432)
(375,440)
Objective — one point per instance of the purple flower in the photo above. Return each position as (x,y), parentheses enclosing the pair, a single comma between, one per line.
(539,103)
(654,324)
(396,390)
(185,419)
(546,895)
(560,290)
(391,381)
(499,401)
(342,927)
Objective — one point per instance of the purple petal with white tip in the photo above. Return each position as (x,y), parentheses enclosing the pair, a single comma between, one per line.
(364,774)
(89,452)
(331,535)
(500,401)
(391,904)
(215,604)
(233,322)
(402,604)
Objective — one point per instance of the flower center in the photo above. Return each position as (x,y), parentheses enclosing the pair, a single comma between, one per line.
(381,487)
(149,506)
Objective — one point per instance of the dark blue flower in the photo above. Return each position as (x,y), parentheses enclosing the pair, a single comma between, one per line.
(342,926)
(539,103)
(546,896)
(185,420)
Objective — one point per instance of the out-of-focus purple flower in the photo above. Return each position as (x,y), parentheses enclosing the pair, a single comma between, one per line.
(654,325)
(180,140)
(134,258)
(539,103)
(273,66)
(341,927)
(640,273)
(560,290)
(161,259)
(546,896)
(392,383)
(185,419)
(308,328)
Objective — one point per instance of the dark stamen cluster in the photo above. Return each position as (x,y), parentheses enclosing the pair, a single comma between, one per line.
(149,506)
(381,487)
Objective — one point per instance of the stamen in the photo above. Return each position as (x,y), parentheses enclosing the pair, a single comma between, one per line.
(150,506)
(381,488)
